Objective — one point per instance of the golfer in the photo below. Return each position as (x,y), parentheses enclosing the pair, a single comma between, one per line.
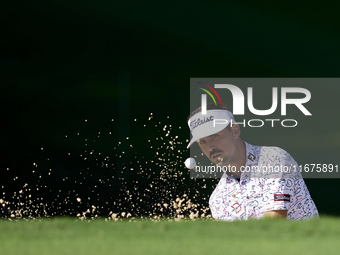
(265,181)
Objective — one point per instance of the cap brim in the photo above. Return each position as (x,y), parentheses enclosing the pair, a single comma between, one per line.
(204,125)
(191,142)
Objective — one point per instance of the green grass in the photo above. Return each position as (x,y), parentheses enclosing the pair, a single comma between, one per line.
(71,236)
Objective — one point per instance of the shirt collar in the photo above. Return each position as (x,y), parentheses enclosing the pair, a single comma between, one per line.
(252,158)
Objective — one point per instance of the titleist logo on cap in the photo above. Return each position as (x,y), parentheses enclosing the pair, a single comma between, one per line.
(197,122)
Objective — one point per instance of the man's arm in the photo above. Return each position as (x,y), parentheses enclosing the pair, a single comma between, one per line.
(276,214)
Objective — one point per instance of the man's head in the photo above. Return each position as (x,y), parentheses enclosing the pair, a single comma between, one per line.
(219,142)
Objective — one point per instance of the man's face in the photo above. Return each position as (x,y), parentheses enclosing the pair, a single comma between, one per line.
(220,148)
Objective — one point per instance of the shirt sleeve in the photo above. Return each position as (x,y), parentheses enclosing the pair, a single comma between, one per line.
(278,184)
(216,203)
(278,194)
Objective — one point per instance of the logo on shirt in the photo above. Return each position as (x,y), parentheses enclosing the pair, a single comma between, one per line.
(251,157)
(236,207)
(282,197)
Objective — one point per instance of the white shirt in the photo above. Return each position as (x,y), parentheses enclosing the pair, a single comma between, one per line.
(259,192)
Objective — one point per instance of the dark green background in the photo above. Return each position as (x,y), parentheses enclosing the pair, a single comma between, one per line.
(66,61)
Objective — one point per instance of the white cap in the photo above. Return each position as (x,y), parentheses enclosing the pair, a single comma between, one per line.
(211,123)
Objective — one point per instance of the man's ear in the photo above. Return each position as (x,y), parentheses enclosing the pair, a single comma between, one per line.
(235,129)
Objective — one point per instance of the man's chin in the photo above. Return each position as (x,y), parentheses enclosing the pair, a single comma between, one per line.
(220,163)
